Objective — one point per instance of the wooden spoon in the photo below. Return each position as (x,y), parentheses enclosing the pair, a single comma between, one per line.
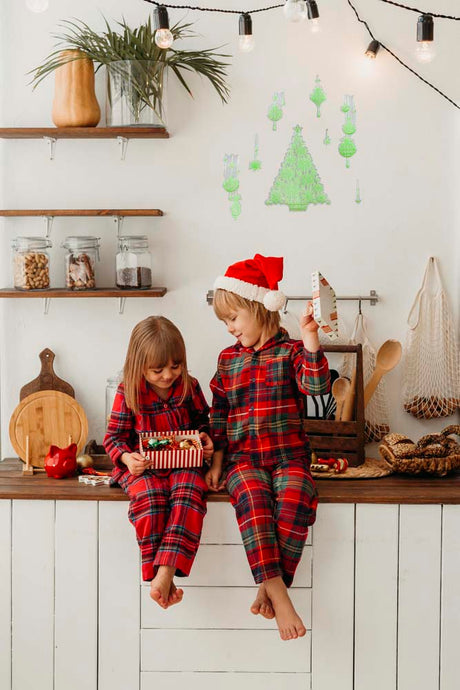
(340,390)
(348,405)
(387,358)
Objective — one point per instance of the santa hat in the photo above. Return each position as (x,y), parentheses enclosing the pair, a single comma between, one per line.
(255,279)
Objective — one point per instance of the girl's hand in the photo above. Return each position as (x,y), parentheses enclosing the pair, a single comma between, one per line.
(309,329)
(135,463)
(208,445)
(212,478)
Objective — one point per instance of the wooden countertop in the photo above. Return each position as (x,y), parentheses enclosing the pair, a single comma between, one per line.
(392,489)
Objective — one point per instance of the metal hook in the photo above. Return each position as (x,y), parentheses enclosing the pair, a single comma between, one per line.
(359,308)
(285,308)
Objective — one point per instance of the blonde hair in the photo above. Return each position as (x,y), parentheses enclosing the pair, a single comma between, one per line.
(224,302)
(154,342)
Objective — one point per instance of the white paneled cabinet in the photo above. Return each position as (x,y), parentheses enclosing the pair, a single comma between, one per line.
(377,588)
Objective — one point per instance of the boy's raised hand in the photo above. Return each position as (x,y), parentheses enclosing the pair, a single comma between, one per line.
(135,463)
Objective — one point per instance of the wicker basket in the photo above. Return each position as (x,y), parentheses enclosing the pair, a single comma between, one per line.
(434,454)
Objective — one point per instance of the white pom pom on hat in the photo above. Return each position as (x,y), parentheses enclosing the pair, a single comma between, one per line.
(256,280)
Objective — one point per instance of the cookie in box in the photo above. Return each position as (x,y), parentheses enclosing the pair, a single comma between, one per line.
(171,449)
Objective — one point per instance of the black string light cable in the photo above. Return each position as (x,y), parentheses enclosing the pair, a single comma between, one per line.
(371,50)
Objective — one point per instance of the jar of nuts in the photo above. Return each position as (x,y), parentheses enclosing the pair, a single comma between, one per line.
(80,261)
(31,263)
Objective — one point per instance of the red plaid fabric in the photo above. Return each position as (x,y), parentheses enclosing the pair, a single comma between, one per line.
(256,412)
(274,507)
(167,511)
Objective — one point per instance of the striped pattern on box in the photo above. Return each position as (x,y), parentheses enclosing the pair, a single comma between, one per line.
(172,459)
(324,305)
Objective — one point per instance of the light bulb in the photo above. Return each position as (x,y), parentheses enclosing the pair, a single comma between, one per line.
(37,5)
(164,38)
(425,52)
(246,43)
(314,25)
(295,10)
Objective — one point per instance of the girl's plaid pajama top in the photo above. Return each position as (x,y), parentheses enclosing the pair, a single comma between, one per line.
(256,417)
(166,507)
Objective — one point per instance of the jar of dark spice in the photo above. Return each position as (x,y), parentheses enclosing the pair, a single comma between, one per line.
(80,262)
(133,262)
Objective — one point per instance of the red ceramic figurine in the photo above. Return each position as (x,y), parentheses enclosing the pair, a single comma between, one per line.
(61,462)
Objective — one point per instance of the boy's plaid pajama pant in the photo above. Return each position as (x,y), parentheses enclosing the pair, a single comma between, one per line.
(274,506)
(167,511)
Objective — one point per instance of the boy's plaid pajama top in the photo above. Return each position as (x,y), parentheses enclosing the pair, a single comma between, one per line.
(166,507)
(256,417)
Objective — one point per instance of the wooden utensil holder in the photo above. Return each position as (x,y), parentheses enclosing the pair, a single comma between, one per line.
(331,439)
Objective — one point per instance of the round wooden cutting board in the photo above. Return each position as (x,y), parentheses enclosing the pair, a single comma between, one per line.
(47,417)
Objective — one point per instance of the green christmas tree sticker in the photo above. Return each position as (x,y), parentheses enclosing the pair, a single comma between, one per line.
(318,96)
(275,111)
(297,184)
(231,183)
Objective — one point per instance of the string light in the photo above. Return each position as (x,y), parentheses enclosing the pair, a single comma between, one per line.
(372,49)
(295,10)
(163,37)
(313,16)
(246,39)
(37,5)
(424,51)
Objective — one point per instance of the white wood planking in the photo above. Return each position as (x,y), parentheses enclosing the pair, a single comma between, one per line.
(225,681)
(223,650)
(5,594)
(332,602)
(33,595)
(227,566)
(376,596)
(119,599)
(450,598)
(76,555)
(419,597)
(217,607)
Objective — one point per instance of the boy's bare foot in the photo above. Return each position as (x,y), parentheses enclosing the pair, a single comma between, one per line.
(262,604)
(160,587)
(290,625)
(175,595)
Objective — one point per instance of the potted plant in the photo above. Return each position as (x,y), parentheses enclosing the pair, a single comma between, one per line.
(136,68)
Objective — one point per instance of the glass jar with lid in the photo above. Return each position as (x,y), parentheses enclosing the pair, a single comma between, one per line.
(31,263)
(110,391)
(80,262)
(133,262)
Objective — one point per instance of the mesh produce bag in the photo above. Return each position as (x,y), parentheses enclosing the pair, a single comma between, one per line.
(376,413)
(431,378)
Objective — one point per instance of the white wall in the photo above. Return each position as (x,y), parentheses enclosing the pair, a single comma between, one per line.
(406,165)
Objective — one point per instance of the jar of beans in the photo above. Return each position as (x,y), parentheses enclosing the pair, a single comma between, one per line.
(31,263)
(133,262)
(80,261)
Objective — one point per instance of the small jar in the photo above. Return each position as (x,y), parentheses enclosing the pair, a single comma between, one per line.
(133,263)
(80,262)
(31,263)
(110,391)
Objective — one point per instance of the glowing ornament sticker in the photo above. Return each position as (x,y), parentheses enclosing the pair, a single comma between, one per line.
(318,96)
(255,164)
(275,111)
(347,147)
(298,183)
(231,183)
(358,194)
(327,138)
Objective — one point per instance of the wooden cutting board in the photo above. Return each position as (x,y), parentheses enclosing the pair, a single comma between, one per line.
(47,379)
(47,417)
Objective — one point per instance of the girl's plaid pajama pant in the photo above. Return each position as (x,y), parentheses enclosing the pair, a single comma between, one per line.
(167,511)
(274,506)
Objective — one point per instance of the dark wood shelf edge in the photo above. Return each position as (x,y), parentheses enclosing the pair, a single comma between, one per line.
(109,212)
(58,293)
(84,132)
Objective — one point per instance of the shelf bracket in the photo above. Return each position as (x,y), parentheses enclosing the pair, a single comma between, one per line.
(121,305)
(123,143)
(46,304)
(119,221)
(49,225)
(51,141)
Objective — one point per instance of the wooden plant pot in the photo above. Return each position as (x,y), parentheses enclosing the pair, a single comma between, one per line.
(75,103)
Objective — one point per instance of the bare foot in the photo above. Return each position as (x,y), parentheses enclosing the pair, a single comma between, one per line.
(175,595)
(262,604)
(160,586)
(290,625)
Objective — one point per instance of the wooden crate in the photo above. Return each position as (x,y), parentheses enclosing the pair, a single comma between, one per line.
(331,439)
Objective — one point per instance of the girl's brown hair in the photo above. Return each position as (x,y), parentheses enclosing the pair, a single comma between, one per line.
(154,342)
(224,302)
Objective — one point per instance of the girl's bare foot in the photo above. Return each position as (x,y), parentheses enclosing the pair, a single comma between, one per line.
(262,604)
(175,595)
(160,587)
(290,625)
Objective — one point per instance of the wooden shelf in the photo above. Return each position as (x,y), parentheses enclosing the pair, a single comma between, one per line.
(122,212)
(84,132)
(54,293)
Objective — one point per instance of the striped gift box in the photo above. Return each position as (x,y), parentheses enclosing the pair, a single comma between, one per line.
(324,305)
(172,459)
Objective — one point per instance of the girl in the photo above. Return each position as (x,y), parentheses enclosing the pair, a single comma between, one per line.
(256,421)
(166,507)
